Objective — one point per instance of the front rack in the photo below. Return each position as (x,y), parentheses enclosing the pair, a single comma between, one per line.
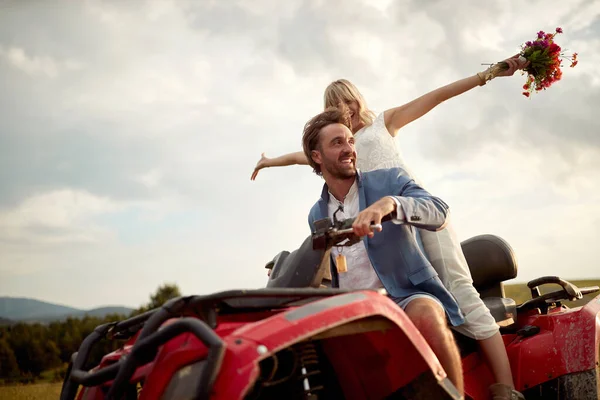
(203,311)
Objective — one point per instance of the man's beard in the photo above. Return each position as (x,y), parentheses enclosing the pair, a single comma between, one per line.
(336,171)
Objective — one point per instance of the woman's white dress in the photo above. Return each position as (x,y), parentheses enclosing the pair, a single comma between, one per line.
(377,149)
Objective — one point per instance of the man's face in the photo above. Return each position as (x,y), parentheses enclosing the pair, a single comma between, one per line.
(335,153)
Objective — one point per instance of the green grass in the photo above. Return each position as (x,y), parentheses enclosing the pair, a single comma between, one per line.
(36,391)
(520,292)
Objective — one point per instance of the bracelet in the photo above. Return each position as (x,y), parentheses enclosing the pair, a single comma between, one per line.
(482,78)
(485,76)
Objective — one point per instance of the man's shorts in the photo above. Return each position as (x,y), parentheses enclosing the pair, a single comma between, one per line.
(403,302)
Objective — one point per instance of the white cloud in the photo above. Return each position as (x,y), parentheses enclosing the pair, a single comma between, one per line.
(60,216)
(151,178)
(153,115)
(58,209)
(37,65)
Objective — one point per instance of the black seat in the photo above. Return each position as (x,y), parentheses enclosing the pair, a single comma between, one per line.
(491,262)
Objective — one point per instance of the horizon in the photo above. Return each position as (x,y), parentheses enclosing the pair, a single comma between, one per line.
(512,282)
(129,131)
(67,305)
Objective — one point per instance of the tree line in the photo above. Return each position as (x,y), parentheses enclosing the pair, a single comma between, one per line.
(29,349)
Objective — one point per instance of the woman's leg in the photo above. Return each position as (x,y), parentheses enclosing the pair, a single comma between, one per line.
(495,354)
(444,252)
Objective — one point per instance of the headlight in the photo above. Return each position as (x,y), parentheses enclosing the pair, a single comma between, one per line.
(184,384)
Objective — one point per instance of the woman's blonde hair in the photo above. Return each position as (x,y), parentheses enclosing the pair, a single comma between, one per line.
(343,91)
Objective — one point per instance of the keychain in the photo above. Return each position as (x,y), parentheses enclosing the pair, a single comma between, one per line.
(340,261)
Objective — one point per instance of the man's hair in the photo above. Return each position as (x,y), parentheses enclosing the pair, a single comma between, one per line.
(310,138)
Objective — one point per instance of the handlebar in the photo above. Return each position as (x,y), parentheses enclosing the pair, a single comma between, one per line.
(330,233)
(572,290)
(337,232)
(544,301)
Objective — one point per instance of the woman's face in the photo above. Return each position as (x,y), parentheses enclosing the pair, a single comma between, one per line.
(355,116)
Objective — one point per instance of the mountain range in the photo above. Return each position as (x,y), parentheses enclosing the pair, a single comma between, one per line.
(20,309)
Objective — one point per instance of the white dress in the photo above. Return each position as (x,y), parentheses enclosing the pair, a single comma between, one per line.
(377,149)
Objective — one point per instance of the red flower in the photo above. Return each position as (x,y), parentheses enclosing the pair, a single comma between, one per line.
(548,61)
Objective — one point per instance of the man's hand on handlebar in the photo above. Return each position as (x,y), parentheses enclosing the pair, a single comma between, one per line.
(372,215)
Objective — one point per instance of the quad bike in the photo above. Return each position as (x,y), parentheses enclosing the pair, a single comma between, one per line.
(296,339)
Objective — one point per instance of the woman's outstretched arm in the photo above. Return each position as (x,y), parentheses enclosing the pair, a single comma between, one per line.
(396,118)
(297,158)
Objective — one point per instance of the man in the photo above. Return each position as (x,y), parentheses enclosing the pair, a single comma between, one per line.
(391,258)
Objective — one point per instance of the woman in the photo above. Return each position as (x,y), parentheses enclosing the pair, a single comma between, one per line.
(376,149)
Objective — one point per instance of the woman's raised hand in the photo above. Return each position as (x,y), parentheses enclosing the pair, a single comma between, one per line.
(514,63)
(262,163)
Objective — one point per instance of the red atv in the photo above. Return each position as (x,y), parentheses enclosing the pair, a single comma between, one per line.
(298,340)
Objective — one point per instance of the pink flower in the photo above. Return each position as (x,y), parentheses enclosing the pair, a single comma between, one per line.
(547,57)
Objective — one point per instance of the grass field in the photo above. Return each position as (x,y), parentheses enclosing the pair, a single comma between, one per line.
(36,391)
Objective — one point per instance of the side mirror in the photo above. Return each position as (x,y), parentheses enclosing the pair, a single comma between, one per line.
(278,259)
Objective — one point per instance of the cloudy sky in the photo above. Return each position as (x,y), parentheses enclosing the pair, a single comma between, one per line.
(129,131)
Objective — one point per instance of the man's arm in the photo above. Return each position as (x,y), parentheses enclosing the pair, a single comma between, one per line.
(415,206)
(411,205)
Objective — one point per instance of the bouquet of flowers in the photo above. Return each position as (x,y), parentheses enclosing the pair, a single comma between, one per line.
(545,61)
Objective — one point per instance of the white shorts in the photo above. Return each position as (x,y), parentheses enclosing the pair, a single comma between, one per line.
(404,302)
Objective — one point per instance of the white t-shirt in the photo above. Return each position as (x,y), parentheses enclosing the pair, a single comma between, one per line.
(360,274)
